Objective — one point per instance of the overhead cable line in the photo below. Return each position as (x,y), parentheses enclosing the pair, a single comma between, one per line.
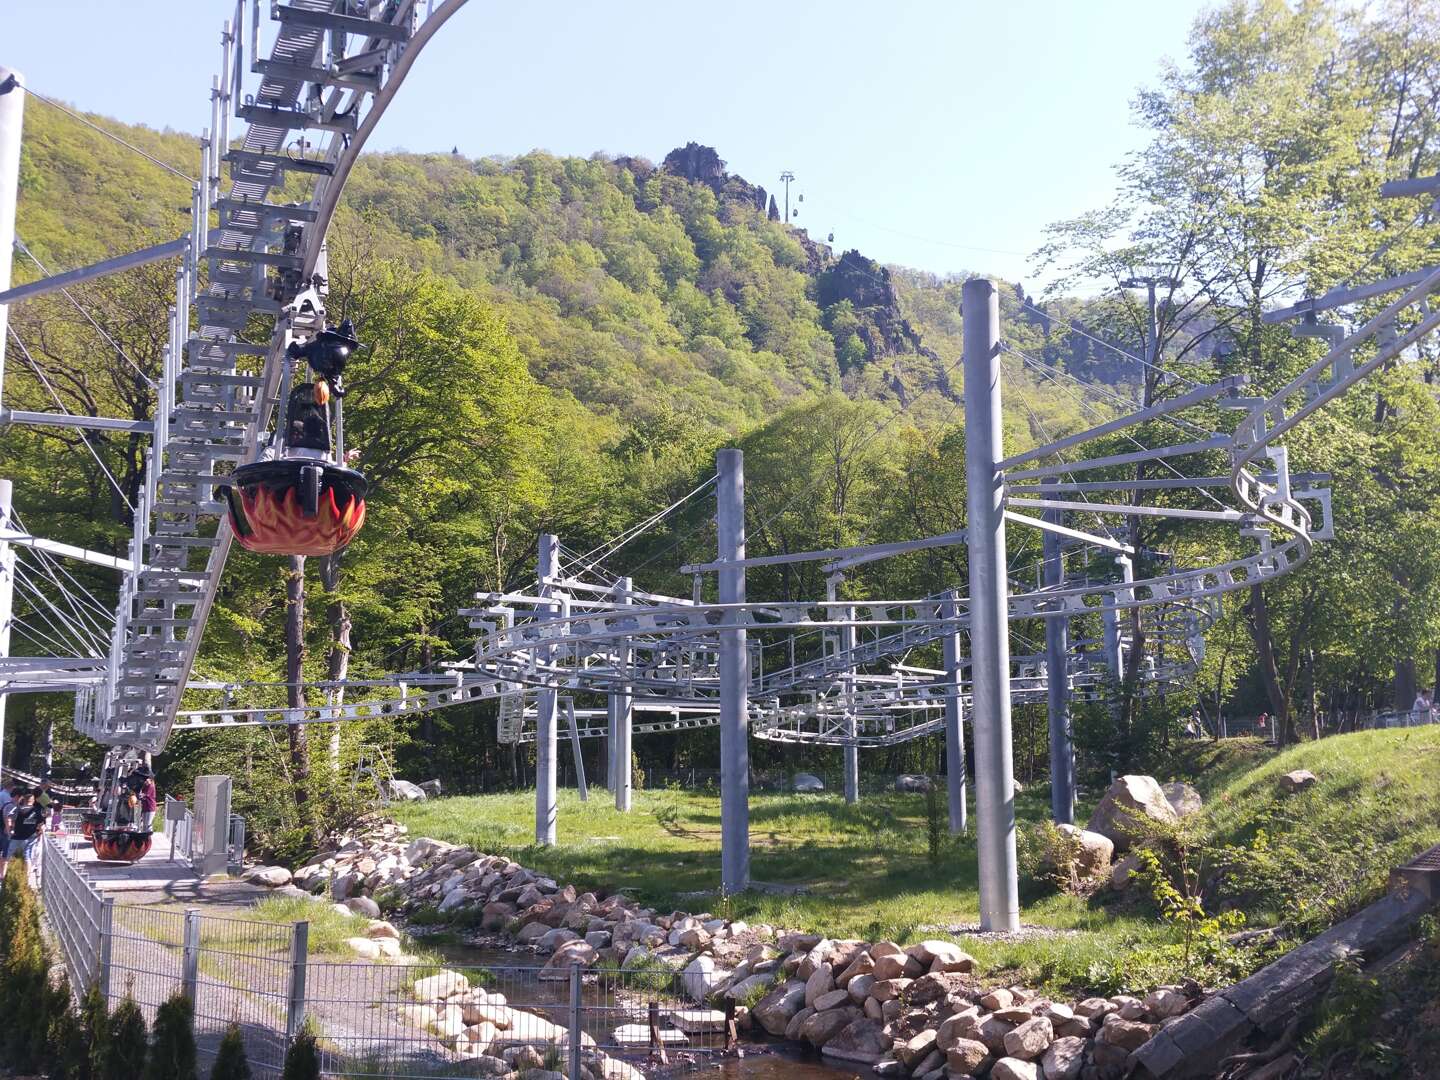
(61,406)
(20,246)
(108,134)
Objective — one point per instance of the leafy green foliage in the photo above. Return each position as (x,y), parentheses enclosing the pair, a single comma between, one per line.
(302,1059)
(126,1046)
(230,1060)
(26,997)
(172,1045)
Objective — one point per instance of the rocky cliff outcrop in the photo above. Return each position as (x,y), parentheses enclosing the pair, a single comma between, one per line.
(702,165)
(866,286)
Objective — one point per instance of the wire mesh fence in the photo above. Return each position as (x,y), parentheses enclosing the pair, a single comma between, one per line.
(422,1021)
(374,1020)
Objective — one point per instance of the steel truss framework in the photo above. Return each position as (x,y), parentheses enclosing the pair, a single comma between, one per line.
(581,636)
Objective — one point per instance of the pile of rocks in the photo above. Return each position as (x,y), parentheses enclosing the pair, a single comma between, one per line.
(906,1011)
(498,1040)
(919,1011)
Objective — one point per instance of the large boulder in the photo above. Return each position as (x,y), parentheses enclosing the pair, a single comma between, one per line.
(431,788)
(404,791)
(1009,1068)
(807,782)
(966,1056)
(1065,1058)
(578,953)
(1092,850)
(862,1041)
(1129,803)
(824,1024)
(272,877)
(1298,780)
(776,1009)
(912,782)
(1183,798)
(700,978)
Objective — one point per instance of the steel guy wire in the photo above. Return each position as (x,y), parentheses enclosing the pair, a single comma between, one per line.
(52,563)
(1166,372)
(108,134)
(615,543)
(65,628)
(78,625)
(79,431)
(20,245)
(1086,405)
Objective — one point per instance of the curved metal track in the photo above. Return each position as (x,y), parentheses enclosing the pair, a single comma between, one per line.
(333,68)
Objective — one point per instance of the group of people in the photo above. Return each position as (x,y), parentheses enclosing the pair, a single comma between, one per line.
(138,801)
(24,812)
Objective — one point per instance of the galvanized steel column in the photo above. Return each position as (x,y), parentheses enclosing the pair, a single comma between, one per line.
(1057,678)
(622,716)
(954,720)
(734,678)
(546,702)
(989,621)
(12,113)
(845,644)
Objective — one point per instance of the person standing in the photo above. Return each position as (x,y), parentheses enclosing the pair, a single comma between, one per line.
(27,823)
(7,800)
(147,801)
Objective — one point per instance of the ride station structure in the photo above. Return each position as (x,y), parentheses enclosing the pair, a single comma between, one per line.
(239,450)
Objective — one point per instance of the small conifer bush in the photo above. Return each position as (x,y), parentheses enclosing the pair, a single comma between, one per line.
(126,1044)
(172,1041)
(302,1060)
(230,1061)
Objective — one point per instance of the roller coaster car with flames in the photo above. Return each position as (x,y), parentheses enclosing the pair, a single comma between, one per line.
(299,498)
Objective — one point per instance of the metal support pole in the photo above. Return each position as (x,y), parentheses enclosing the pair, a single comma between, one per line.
(989,614)
(1110,620)
(295,1002)
(734,679)
(622,716)
(7,582)
(846,644)
(575,750)
(546,705)
(102,964)
(190,955)
(575,1030)
(954,722)
(1057,677)
(12,115)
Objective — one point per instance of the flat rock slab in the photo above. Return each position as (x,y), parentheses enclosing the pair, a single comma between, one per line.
(639,1035)
(695,1020)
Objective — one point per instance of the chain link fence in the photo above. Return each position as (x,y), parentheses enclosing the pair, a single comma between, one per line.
(406,1018)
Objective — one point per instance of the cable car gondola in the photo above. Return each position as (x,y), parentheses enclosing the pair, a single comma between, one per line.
(300,498)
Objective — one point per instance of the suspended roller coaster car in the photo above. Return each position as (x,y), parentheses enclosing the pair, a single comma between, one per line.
(90,820)
(300,498)
(121,845)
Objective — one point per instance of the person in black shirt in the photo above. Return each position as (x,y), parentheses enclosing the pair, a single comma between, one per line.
(27,822)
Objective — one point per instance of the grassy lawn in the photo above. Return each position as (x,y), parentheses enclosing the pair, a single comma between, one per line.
(864,869)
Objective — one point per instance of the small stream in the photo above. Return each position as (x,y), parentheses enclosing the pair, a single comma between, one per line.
(514,974)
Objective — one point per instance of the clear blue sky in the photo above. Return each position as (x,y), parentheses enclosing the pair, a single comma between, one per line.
(920,131)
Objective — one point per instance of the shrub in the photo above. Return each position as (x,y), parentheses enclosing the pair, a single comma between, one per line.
(302,1060)
(95,1028)
(230,1060)
(67,1037)
(125,1049)
(25,994)
(172,1046)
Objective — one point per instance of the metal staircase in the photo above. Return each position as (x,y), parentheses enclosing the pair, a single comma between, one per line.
(331,69)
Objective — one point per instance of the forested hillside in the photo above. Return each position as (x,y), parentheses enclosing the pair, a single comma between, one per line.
(561,344)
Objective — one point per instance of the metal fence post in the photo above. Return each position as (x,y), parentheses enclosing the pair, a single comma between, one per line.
(190,958)
(299,950)
(102,963)
(575,1022)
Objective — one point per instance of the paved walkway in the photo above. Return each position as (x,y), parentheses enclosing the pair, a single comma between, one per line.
(157,879)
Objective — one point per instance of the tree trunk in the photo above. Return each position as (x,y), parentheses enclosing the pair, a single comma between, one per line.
(1257,618)
(295,673)
(337,662)
(1405,684)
